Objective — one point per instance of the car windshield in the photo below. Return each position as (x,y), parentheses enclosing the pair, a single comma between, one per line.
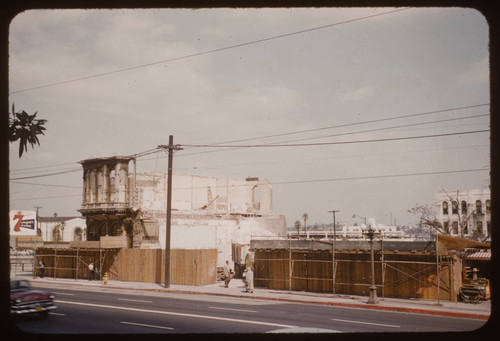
(19,285)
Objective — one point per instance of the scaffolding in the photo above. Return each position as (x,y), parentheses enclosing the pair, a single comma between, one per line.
(74,263)
(408,274)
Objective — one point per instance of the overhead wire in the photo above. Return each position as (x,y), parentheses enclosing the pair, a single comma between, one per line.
(341,142)
(209,51)
(312,180)
(341,134)
(358,123)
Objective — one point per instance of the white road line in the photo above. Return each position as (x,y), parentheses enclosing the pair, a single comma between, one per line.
(232,309)
(63,293)
(370,323)
(178,314)
(145,325)
(131,300)
(58,314)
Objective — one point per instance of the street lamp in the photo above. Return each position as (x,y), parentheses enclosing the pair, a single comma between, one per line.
(360,217)
(371,233)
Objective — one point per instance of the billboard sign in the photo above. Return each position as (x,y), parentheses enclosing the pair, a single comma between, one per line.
(22,223)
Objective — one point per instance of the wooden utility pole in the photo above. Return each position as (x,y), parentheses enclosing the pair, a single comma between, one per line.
(334,234)
(37,227)
(170,149)
(334,264)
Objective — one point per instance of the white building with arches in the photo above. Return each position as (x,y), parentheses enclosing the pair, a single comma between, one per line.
(469,210)
(62,229)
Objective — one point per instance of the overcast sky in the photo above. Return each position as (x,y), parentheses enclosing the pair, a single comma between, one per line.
(119,82)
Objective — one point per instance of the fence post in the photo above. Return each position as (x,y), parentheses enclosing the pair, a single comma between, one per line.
(383,265)
(334,267)
(289,264)
(77,261)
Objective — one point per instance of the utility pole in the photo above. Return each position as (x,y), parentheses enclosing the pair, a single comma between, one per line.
(334,264)
(334,234)
(170,149)
(37,222)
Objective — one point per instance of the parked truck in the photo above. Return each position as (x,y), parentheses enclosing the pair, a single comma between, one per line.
(474,289)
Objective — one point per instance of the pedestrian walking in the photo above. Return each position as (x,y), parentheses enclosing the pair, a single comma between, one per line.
(91,271)
(42,269)
(248,278)
(228,274)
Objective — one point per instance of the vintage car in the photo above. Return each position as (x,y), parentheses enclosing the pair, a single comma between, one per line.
(25,300)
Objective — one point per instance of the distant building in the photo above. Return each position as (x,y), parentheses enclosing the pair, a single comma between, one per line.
(349,232)
(467,210)
(62,229)
(207,212)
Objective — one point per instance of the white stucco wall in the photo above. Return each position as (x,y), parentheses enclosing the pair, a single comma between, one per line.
(207,232)
(68,235)
(210,212)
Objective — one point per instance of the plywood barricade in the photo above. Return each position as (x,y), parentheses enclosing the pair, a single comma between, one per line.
(187,267)
(397,274)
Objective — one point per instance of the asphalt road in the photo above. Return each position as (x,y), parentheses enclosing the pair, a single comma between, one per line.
(105,311)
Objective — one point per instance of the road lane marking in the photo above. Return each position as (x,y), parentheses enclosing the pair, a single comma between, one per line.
(58,314)
(179,314)
(63,293)
(232,309)
(145,325)
(131,300)
(369,323)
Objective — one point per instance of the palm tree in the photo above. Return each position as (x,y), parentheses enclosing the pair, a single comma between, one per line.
(305,216)
(297,226)
(25,128)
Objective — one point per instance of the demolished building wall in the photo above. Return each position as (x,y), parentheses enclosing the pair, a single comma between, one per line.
(207,212)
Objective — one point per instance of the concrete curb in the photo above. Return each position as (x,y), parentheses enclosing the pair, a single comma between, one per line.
(435,311)
(349,305)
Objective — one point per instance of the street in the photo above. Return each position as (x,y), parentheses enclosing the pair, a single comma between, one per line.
(103,311)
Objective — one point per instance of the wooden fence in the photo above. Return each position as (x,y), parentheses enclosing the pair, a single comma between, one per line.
(397,274)
(187,267)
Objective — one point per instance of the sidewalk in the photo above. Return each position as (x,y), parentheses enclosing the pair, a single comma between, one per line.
(236,289)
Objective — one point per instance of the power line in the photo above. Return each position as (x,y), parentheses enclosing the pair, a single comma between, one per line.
(156,150)
(209,51)
(274,162)
(46,185)
(381,176)
(306,181)
(339,142)
(49,197)
(49,174)
(357,123)
(39,167)
(380,129)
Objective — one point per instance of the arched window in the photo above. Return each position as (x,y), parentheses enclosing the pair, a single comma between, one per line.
(454,207)
(122,176)
(463,205)
(479,209)
(445,207)
(93,186)
(99,186)
(112,186)
(479,226)
(78,235)
(488,206)
(56,234)
(87,187)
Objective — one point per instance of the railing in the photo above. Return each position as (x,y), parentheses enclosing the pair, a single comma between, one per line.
(21,261)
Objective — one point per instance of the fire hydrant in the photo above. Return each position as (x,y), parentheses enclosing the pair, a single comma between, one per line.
(105,278)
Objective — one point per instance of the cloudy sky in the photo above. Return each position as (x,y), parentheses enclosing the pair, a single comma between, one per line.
(363,110)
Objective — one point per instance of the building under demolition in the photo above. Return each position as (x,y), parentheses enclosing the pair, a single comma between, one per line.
(129,209)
